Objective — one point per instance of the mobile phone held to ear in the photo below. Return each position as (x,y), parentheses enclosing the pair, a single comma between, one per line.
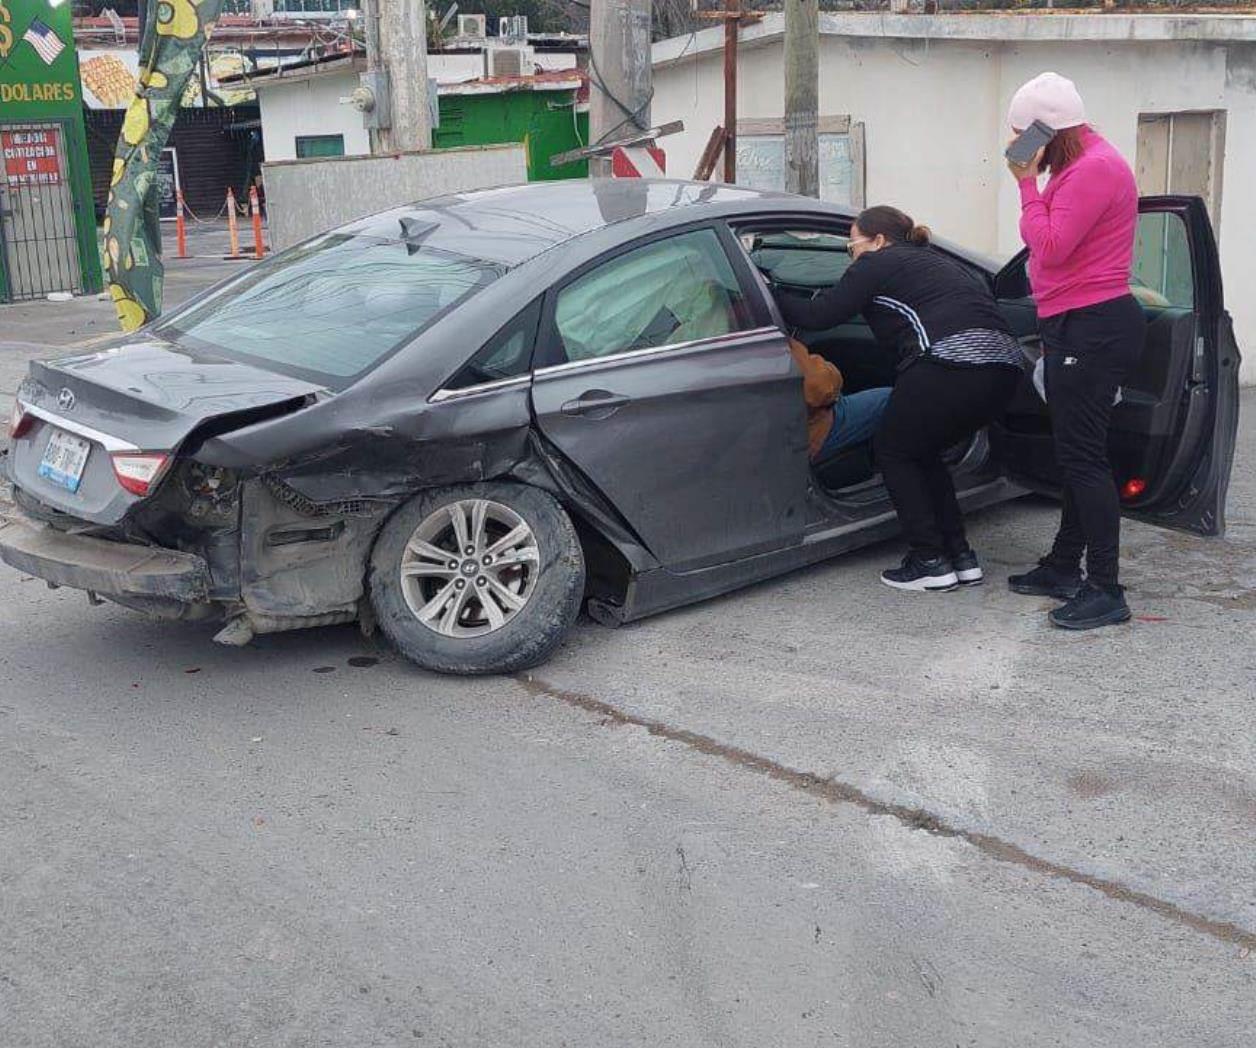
(1028,142)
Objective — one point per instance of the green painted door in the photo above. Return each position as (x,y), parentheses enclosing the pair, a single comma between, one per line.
(37,227)
(47,217)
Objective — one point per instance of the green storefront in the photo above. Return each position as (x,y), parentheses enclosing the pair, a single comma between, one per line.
(47,220)
(544,117)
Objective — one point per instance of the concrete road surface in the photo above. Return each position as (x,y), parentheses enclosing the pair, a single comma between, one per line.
(812,813)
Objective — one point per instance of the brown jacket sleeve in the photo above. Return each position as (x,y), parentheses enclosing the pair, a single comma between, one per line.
(822,382)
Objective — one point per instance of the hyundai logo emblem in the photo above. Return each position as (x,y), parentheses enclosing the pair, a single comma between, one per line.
(66,400)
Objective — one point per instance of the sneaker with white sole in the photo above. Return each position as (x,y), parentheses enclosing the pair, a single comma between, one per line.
(968,568)
(922,575)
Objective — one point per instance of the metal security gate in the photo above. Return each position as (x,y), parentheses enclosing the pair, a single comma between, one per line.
(37,230)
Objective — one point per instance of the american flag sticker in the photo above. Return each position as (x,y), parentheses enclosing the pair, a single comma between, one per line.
(44,41)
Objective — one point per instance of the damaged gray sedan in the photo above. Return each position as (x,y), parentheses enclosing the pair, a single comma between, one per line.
(463,420)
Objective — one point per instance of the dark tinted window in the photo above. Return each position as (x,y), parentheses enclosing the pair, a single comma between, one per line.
(332,308)
(800,259)
(508,354)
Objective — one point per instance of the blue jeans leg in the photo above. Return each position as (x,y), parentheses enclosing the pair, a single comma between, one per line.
(855,418)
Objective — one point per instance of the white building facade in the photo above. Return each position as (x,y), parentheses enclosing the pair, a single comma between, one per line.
(914,109)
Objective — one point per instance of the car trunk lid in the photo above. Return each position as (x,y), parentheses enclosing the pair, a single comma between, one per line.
(142,396)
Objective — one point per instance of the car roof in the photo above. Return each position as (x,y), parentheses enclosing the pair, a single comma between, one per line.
(510,224)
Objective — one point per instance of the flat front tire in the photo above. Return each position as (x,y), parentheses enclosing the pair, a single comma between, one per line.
(476,579)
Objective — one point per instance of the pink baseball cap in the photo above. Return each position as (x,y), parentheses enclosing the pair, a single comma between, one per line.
(1051,98)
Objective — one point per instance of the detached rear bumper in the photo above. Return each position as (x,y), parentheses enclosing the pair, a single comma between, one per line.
(108,568)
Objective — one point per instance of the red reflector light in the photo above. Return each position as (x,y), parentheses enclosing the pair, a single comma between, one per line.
(139,471)
(19,421)
(1133,487)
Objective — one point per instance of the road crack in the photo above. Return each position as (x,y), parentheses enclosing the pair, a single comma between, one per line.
(837,792)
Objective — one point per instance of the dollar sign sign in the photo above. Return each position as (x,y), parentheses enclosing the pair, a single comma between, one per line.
(6,34)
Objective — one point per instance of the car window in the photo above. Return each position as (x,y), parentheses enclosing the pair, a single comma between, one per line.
(331,308)
(1162,262)
(1161,276)
(671,291)
(799,258)
(508,354)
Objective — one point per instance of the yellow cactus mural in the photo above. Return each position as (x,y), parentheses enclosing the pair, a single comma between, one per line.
(173,39)
(131,314)
(177,18)
(136,124)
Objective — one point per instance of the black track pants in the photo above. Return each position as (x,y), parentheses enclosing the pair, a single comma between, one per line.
(1089,354)
(934,407)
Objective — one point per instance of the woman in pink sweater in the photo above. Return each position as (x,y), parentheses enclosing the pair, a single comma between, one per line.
(1080,233)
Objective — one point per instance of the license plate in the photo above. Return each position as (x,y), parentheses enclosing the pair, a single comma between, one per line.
(64,459)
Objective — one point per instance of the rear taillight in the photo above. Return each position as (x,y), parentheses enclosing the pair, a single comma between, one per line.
(1132,488)
(139,471)
(20,421)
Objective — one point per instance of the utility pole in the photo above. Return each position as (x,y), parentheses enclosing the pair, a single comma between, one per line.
(620,80)
(396,56)
(734,17)
(732,26)
(802,97)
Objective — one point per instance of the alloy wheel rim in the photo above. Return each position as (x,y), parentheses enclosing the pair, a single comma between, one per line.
(469,568)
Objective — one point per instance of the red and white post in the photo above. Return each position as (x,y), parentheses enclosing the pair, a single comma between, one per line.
(255,209)
(643,161)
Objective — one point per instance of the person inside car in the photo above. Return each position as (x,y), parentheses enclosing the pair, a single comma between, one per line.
(834,421)
(959,365)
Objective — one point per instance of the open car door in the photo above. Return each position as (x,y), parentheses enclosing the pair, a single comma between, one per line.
(1173,434)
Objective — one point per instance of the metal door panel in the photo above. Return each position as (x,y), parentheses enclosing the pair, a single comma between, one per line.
(702,447)
(37,224)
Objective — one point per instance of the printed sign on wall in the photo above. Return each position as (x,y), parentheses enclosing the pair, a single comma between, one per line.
(31,158)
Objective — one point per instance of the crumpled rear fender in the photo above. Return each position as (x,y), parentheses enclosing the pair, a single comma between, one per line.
(309,520)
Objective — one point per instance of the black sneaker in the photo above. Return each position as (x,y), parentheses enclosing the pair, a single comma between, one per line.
(922,574)
(1094,606)
(967,568)
(1046,580)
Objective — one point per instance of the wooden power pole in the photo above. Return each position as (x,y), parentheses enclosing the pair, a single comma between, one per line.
(396,46)
(802,97)
(732,25)
(620,80)
(734,16)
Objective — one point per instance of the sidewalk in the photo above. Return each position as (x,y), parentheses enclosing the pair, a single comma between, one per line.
(41,329)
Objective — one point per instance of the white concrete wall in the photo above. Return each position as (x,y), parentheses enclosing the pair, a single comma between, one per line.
(935,118)
(454,68)
(554,61)
(304,197)
(310,107)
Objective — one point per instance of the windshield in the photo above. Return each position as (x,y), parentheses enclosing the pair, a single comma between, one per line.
(332,308)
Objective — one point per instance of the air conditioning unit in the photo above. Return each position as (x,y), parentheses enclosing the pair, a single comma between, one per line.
(513,29)
(509,61)
(473,26)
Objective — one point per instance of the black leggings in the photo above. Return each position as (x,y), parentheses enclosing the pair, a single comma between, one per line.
(933,407)
(1089,353)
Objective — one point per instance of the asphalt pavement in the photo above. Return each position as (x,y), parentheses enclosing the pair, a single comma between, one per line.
(815,812)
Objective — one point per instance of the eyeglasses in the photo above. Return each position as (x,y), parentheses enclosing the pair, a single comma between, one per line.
(850,244)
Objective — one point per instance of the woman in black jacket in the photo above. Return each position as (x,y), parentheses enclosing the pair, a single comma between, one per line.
(959,365)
